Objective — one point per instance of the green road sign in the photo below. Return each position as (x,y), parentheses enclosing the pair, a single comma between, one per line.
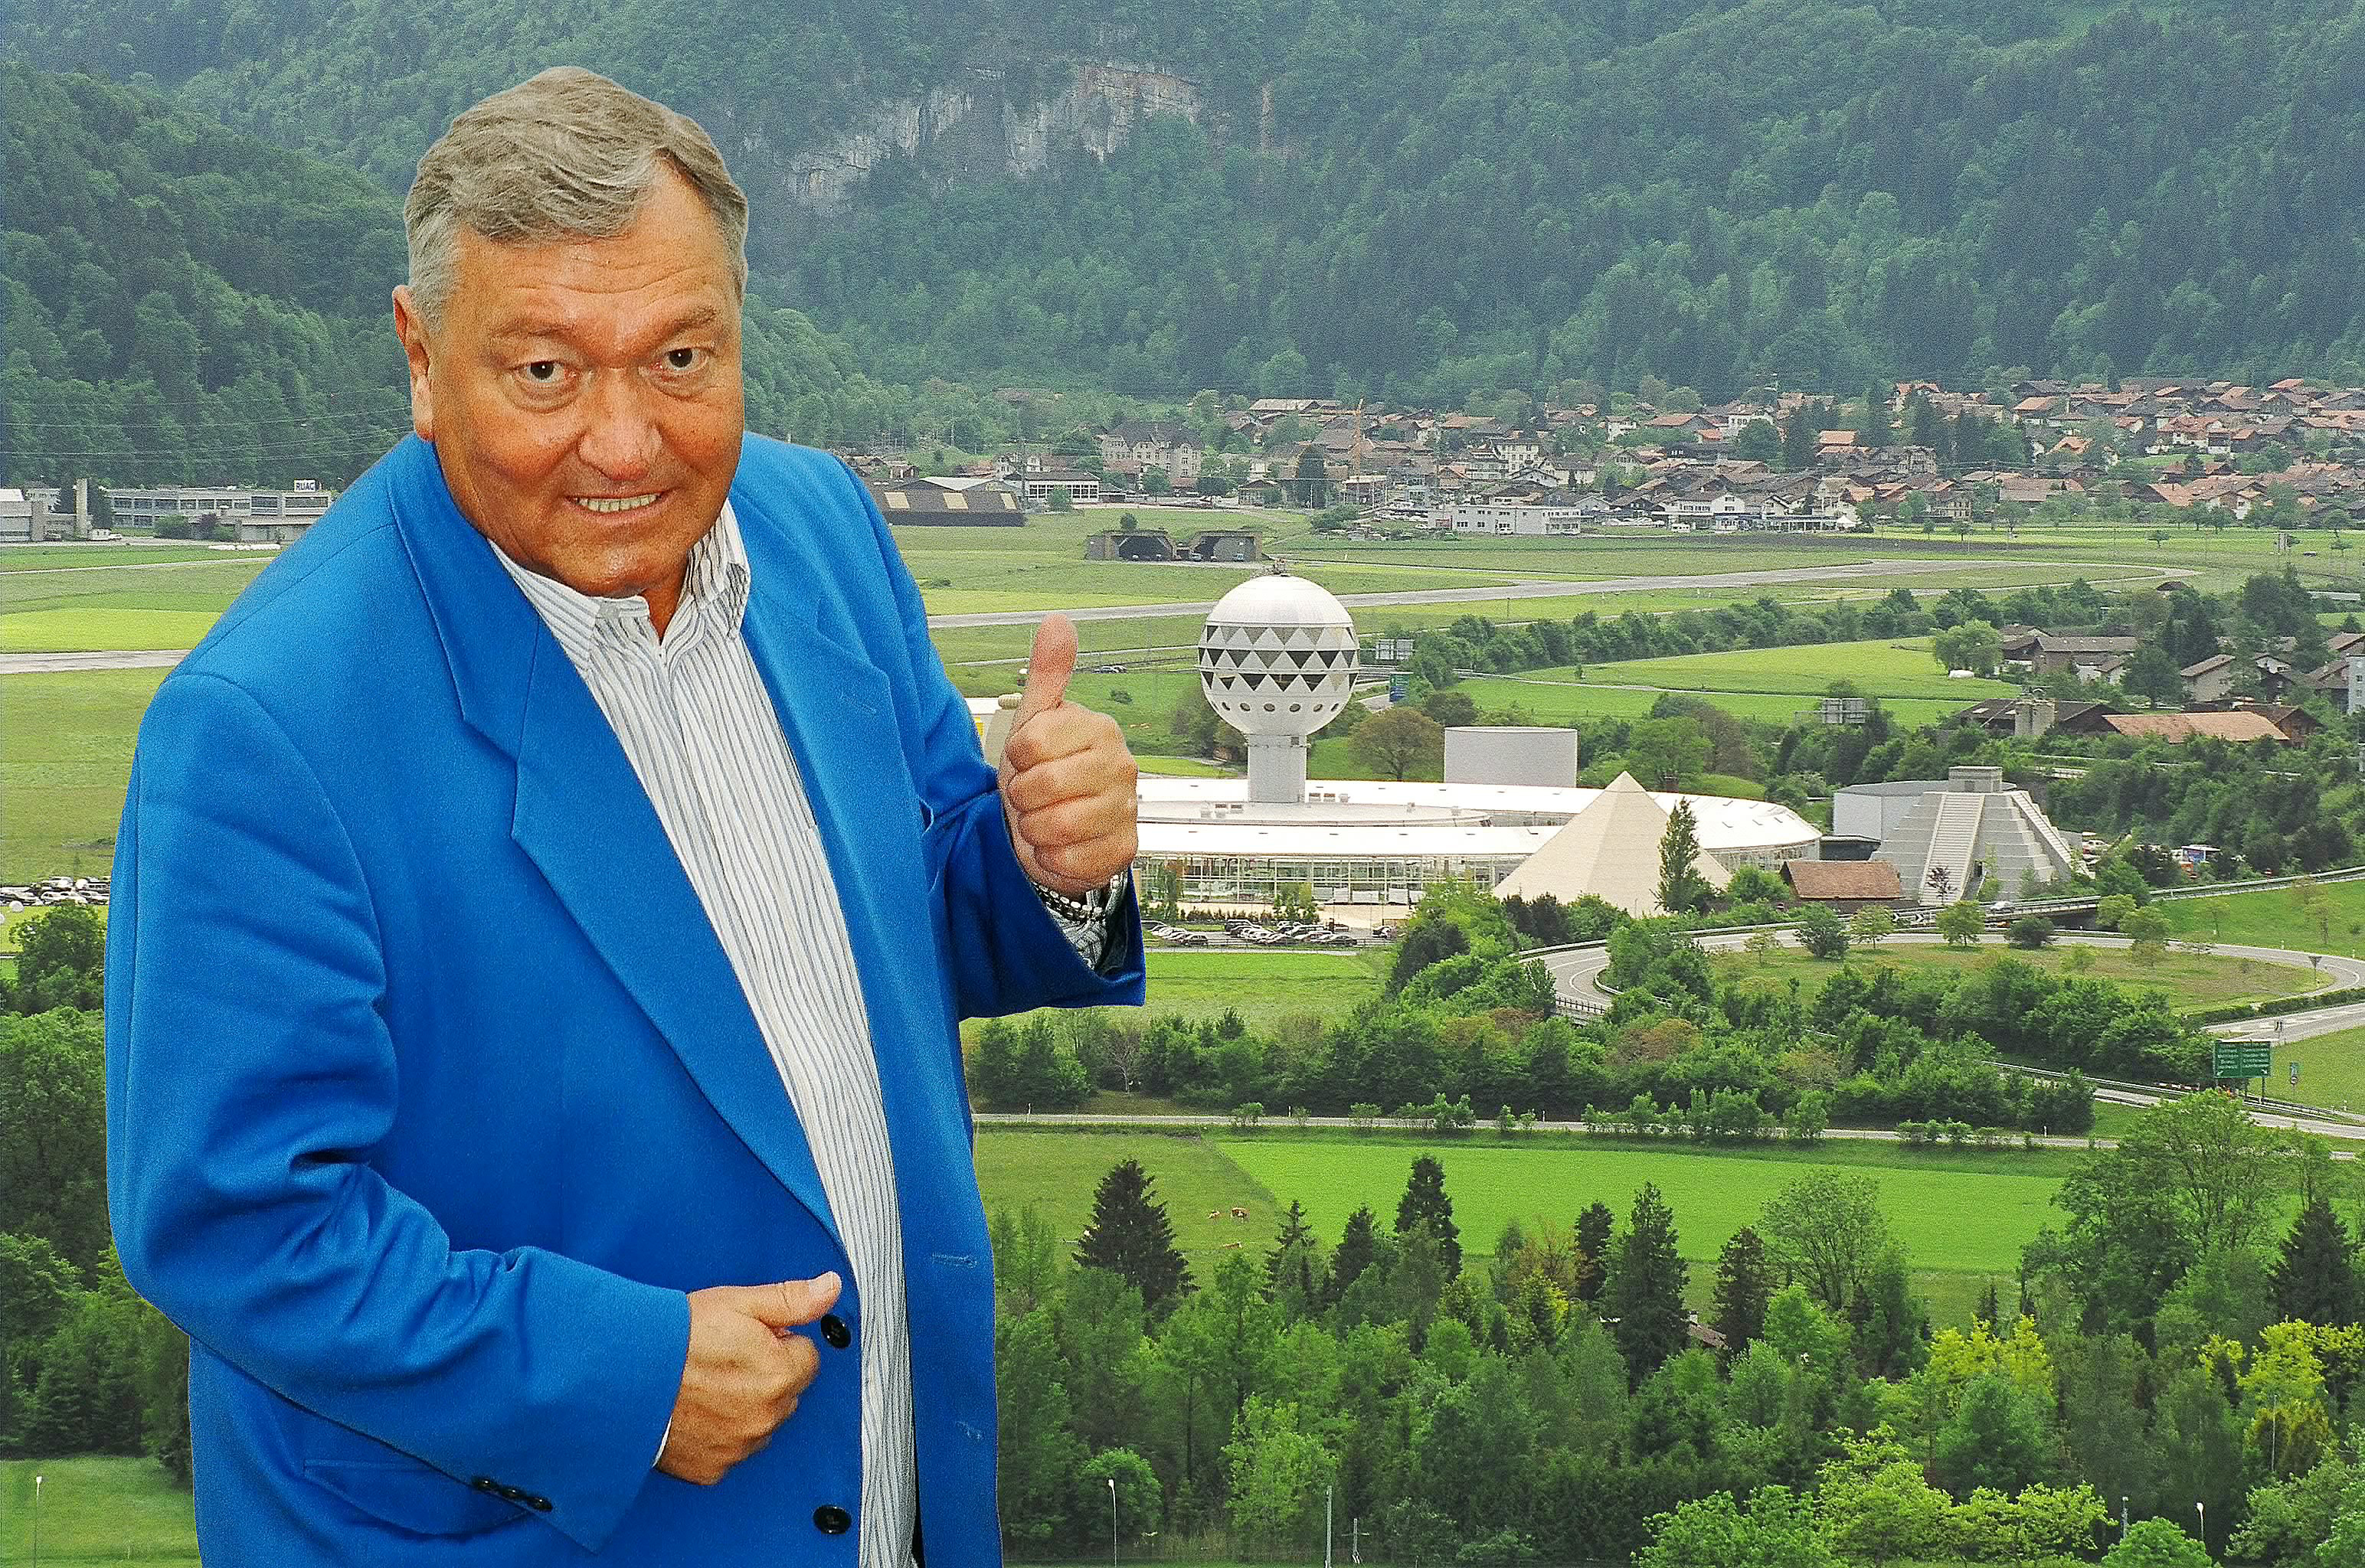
(2242,1058)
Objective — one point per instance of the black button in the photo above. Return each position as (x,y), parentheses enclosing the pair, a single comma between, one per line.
(833,1329)
(486,1484)
(513,1494)
(539,1505)
(831,1519)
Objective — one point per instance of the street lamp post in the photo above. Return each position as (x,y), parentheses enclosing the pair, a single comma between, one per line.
(2202,1509)
(1111,1481)
(37,1517)
(1329,1493)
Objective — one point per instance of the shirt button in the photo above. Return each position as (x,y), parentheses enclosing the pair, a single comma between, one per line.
(833,1329)
(831,1519)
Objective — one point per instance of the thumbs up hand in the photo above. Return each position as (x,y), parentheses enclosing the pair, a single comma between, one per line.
(1067,778)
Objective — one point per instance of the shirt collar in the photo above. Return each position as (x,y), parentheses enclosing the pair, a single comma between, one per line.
(716,581)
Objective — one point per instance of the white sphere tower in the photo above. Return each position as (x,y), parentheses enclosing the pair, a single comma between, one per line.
(1277,662)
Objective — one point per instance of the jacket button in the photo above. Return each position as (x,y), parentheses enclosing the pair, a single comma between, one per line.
(486,1484)
(539,1505)
(833,1329)
(831,1519)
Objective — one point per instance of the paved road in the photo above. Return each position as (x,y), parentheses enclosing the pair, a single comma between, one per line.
(31,664)
(1917,566)
(1388,1124)
(48,664)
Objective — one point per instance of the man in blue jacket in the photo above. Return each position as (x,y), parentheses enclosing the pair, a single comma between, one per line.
(542,912)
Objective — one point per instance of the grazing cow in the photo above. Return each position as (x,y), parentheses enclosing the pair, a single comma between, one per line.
(1214,1214)
(1239,1214)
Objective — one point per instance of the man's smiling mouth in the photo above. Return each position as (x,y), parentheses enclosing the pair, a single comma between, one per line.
(616,503)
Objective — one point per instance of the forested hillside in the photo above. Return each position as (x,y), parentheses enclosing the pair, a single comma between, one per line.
(1427,202)
(184,304)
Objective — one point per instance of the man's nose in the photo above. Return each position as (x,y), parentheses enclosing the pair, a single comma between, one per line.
(619,441)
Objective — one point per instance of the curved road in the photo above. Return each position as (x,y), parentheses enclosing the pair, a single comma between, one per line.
(1575,970)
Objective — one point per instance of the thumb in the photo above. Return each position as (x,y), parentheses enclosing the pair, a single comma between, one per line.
(792,1301)
(1047,667)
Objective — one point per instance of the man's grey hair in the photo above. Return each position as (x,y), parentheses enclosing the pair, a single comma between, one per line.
(566,155)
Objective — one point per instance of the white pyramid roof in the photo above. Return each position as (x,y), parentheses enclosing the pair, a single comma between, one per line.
(1609,850)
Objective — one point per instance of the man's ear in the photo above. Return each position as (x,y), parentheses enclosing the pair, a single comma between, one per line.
(412,329)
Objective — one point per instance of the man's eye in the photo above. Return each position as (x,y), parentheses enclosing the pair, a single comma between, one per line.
(680,359)
(544,371)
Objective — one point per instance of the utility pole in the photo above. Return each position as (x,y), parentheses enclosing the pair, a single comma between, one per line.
(1328,1494)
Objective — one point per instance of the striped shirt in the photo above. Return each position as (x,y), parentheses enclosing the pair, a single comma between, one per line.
(698,725)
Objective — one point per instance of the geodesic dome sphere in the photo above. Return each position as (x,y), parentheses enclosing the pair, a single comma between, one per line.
(1277,656)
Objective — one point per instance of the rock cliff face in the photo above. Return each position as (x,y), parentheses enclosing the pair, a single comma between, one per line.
(979,127)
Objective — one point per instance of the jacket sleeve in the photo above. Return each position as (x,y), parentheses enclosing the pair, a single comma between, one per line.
(251,1074)
(1007,954)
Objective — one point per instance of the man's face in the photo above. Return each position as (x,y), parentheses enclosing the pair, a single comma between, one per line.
(584,396)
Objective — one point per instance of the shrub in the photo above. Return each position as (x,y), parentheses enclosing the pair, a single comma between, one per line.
(2030,931)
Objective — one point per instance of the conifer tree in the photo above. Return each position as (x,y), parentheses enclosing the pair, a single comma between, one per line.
(1643,1298)
(1293,1272)
(1743,1286)
(1425,1206)
(1592,1230)
(1354,1254)
(2314,1280)
(1131,1236)
(1681,890)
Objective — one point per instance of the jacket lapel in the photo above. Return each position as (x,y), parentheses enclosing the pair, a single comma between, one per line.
(583,817)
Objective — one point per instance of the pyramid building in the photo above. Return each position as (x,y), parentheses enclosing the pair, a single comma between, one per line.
(1609,850)
(1970,823)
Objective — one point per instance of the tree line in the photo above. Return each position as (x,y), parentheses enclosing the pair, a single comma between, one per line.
(1560,1400)
(1466,1030)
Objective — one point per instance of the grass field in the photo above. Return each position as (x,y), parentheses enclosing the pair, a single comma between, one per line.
(1567,701)
(95,1510)
(2333,922)
(1952,1219)
(72,630)
(1057,1172)
(1264,987)
(2193,979)
(65,753)
(203,584)
(1964,1218)
(1878,668)
(2331,1069)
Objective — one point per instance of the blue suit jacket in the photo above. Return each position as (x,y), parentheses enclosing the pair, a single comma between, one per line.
(430,1091)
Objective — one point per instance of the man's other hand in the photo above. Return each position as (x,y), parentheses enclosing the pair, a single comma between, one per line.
(1067,779)
(744,1372)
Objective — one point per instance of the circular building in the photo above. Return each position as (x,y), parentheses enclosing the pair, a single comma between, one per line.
(1277,662)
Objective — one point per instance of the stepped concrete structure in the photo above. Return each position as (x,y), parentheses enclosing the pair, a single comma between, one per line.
(1610,850)
(1972,820)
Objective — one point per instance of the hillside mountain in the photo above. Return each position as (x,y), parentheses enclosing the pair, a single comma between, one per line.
(185,304)
(1426,201)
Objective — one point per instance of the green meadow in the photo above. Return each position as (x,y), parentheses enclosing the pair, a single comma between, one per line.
(2331,1069)
(2193,980)
(2330,919)
(1963,1217)
(95,1510)
(65,756)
